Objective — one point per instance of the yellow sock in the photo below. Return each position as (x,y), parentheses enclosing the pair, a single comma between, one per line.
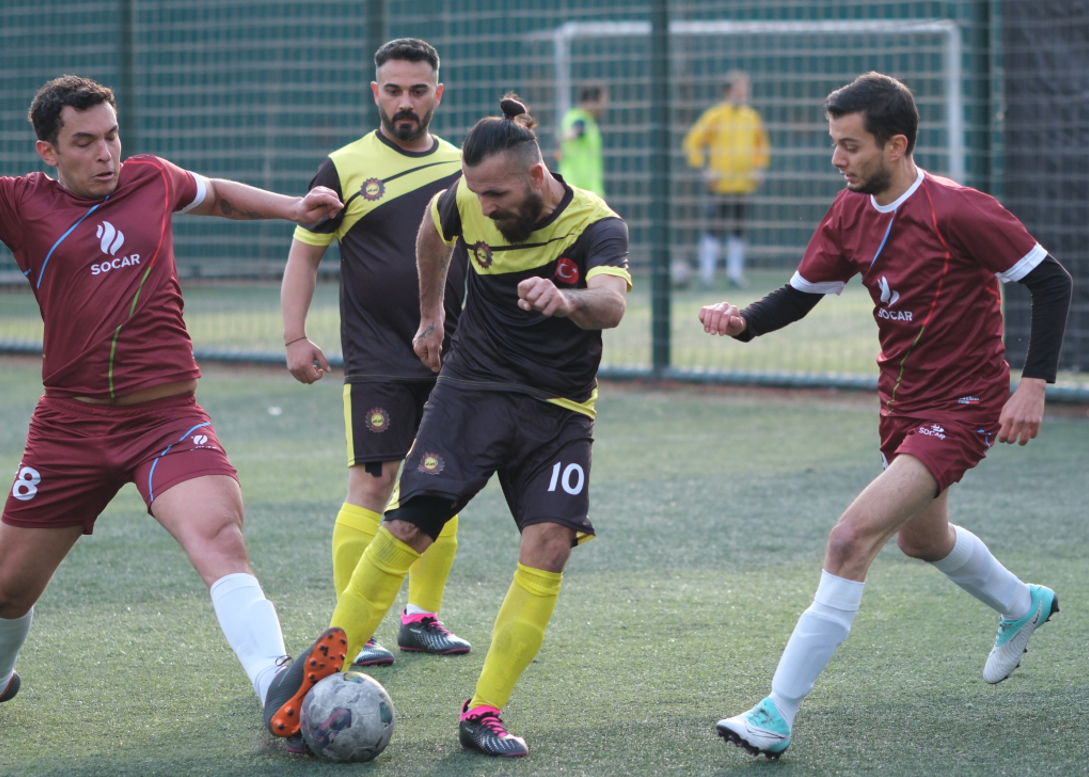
(372,589)
(427,578)
(352,533)
(518,633)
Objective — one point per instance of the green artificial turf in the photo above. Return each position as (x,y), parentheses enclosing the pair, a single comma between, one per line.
(711,507)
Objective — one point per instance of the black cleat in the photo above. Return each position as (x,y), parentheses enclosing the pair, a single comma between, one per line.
(283,702)
(296,745)
(424,633)
(12,689)
(372,654)
(481,729)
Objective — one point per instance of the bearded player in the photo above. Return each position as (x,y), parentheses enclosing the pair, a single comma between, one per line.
(386,178)
(932,254)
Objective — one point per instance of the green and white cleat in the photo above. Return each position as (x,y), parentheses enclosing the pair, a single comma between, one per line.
(1013,636)
(760,730)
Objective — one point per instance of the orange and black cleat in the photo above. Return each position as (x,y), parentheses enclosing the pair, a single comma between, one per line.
(283,702)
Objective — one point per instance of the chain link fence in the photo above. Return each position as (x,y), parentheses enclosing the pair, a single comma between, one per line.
(261,91)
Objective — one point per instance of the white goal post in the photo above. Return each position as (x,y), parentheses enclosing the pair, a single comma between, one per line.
(946,29)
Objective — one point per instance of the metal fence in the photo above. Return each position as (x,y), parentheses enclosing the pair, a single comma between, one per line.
(262,91)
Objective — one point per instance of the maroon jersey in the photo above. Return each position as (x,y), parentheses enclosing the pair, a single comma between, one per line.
(104,276)
(932,262)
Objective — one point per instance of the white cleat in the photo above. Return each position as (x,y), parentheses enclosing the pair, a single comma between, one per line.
(760,730)
(1013,636)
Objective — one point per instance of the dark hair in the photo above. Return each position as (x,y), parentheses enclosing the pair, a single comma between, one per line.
(886,105)
(494,134)
(407,50)
(591,93)
(79,93)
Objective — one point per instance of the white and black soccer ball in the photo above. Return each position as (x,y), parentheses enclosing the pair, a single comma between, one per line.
(348,716)
(680,274)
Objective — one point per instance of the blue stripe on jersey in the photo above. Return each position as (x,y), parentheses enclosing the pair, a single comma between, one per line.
(151,474)
(66,234)
(884,239)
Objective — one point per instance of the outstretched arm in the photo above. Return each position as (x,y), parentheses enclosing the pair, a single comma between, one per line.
(781,307)
(233,200)
(432,264)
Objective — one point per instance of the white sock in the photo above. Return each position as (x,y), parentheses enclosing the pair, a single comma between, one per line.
(708,258)
(820,630)
(13,633)
(250,624)
(972,566)
(735,258)
(412,609)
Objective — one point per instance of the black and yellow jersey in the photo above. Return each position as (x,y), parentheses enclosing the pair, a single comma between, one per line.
(499,346)
(385,191)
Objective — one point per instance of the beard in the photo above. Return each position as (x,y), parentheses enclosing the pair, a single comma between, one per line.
(878,182)
(516,226)
(405,133)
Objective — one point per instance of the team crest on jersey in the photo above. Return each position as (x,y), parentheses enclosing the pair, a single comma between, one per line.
(567,271)
(431,464)
(377,420)
(372,189)
(482,252)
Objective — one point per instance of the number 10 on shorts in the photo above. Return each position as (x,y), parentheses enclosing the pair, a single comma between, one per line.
(572,480)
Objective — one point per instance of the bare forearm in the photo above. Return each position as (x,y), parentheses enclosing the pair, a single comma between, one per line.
(432,264)
(599,308)
(233,200)
(297,290)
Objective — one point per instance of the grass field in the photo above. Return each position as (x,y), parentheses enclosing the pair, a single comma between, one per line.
(712,508)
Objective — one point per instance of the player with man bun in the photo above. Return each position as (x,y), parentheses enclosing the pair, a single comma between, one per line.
(931,253)
(514,396)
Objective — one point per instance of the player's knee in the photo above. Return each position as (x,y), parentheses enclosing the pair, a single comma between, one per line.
(15,603)
(845,542)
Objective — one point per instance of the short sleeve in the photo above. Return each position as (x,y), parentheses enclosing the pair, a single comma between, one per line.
(824,268)
(981,228)
(11,231)
(445,214)
(607,249)
(188,190)
(325,231)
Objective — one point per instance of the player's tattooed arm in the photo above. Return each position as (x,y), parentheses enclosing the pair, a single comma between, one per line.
(233,200)
(432,263)
(600,305)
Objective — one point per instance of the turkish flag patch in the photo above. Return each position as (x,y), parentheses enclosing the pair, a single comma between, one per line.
(567,271)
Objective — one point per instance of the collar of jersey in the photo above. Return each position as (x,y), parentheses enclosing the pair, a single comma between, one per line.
(902,198)
(568,195)
(415,154)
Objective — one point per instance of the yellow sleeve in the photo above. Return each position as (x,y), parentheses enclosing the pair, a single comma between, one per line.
(304,235)
(696,140)
(762,150)
(436,218)
(619,272)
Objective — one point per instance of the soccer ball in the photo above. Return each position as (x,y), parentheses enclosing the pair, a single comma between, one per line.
(347,716)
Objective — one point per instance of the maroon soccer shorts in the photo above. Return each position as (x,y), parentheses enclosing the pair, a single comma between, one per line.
(947,448)
(79,455)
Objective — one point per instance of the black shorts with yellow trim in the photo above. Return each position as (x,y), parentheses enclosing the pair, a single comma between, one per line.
(381,417)
(541,452)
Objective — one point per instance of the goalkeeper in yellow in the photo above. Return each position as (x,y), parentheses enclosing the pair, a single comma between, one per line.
(515,394)
(729,143)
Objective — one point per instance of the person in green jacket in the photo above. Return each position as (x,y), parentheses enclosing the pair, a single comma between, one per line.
(580,141)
